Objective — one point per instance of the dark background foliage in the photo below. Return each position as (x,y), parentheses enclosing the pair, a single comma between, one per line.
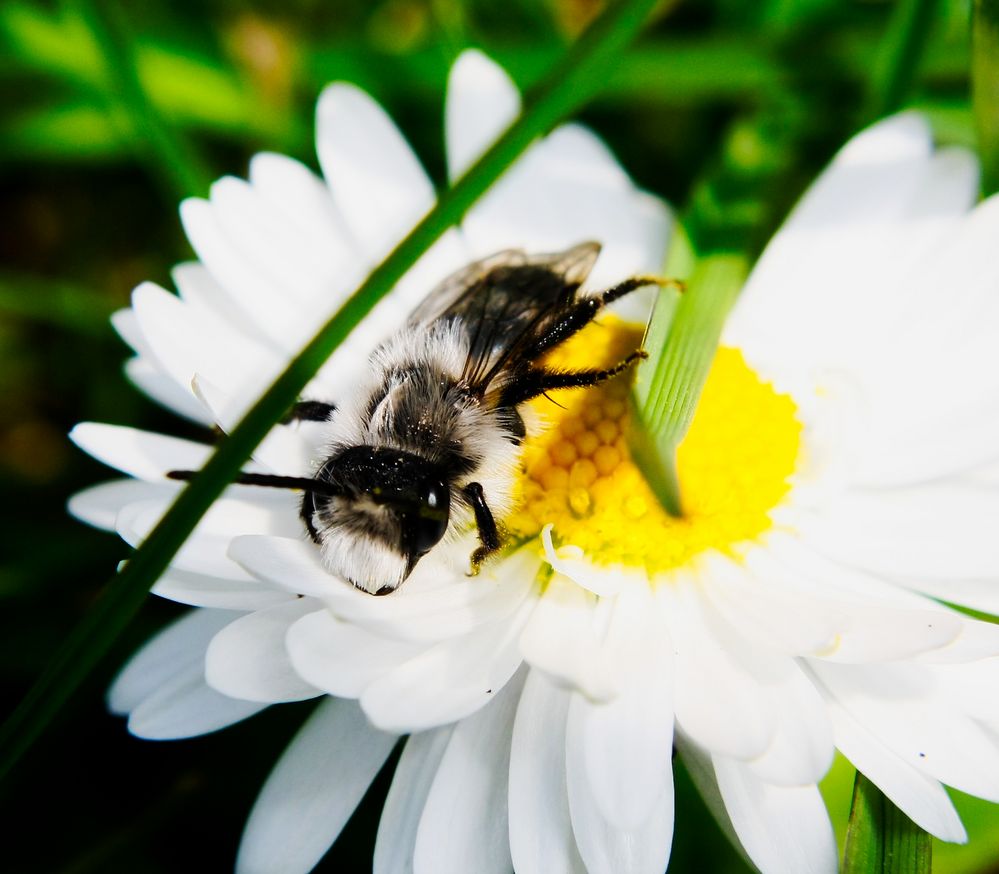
(725,108)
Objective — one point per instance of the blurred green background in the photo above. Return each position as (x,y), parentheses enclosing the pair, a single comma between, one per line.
(111,113)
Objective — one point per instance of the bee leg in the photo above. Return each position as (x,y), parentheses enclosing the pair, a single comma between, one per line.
(634,283)
(488,534)
(307,511)
(583,311)
(576,317)
(536,382)
(309,411)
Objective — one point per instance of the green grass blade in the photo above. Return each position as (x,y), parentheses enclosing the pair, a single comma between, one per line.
(901,53)
(681,341)
(574,80)
(168,156)
(880,839)
(985,89)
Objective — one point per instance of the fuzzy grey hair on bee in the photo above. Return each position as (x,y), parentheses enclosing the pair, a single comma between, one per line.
(429,446)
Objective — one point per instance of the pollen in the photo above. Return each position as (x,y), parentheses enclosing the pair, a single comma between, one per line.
(734,465)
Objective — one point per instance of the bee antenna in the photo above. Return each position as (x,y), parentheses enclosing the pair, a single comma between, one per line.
(318,487)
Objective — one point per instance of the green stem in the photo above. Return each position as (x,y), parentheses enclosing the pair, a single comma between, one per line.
(168,156)
(575,79)
(902,48)
(880,839)
(985,89)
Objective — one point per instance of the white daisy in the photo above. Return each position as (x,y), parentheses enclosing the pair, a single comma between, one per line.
(836,482)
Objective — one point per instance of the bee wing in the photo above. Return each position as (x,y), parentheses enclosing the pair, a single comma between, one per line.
(505,301)
(452,294)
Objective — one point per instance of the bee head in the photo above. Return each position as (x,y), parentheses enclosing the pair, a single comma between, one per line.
(392,508)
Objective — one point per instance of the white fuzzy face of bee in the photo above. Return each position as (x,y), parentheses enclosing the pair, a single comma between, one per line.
(428,447)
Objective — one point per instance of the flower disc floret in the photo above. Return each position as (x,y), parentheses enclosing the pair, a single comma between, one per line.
(735,464)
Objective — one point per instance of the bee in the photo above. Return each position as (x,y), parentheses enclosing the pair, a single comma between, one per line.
(429,446)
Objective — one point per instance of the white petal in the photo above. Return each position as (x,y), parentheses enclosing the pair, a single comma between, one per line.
(414,775)
(185,342)
(147,376)
(201,590)
(247,659)
(607,850)
(251,509)
(541,838)
(207,297)
(587,159)
(920,533)
(801,749)
(200,554)
(276,250)
(414,613)
(179,646)
(717,699)
(919,797)
(901,137)
(99,505)
(903,707)
(780,617)
(376,181)
(977,640)
(871,620)
(126,325)
(559,638)
(464,823)
(782,828)
(342,658)
(955,440)
(230,259)
(653,235)
(908,439)
(282,451)
(205,549)
(968,688)
(304,202)
(290,563)
(591,644)
(481,101)
(879,205)
(603,848)
(627,743)
(559,194)
(186,707)
(313,790)
(450,680)
(142,454)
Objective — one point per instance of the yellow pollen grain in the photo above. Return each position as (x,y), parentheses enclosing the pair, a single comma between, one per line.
(734,465)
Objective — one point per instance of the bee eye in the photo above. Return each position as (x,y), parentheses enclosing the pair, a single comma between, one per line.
(426,524)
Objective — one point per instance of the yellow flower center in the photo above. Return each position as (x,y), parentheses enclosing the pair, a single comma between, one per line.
(734,465)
